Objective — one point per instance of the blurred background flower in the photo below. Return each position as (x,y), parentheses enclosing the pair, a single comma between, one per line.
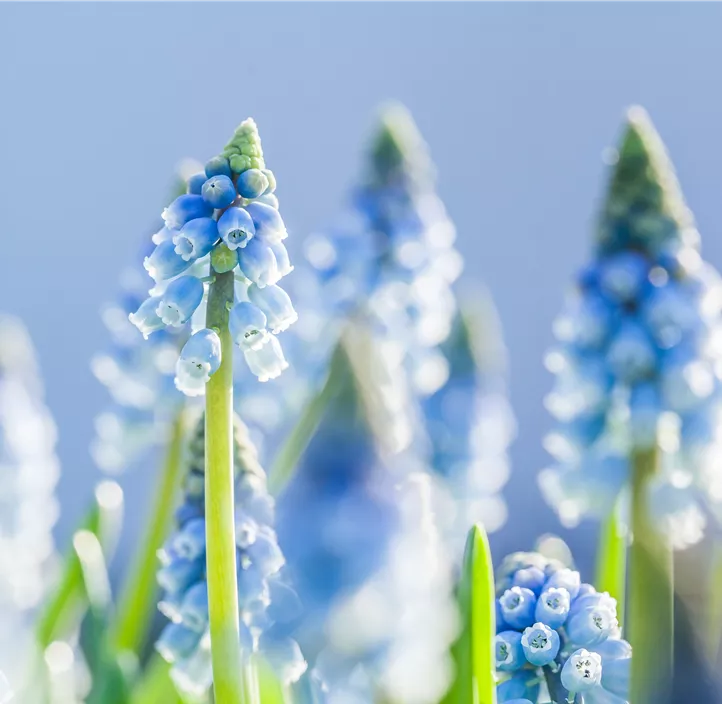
(29,471)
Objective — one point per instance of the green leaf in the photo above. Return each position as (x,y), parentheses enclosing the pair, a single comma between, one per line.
(109,674)
(473,653)
(270,689)
(138,598)
(297,441)
(155,686)
(611,571)
(357,388)
(64,608)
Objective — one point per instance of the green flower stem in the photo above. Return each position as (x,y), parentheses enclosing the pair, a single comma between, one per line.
(63,609)
(611,572)
(651,592)
(138,597)
(228,676)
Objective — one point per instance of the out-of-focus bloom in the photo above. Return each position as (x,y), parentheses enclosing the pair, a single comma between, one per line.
(574,645)
(29,471)
(371,571)
(139,376)
(266,602)
(470,422)
(638,360)
(223,228)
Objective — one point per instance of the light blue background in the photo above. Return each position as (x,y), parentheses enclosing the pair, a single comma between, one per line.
(98,102)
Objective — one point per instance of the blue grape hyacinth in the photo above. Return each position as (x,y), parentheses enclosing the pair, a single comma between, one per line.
(138,374)
(390,258)
(266,601)
(227,221)
(557,637)
(29,471)
(637,364)
(370,568)
(470,423)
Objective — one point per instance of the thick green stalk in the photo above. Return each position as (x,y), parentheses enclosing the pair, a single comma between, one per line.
(228,676)
(651,592)
(138,597)
(713,627)
(611,572)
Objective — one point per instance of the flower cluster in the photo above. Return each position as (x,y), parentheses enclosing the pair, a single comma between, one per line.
(139,378)
(228,221)
(470,422)
(138,375)
(391,256)
(266,602)
(366,623)
(638,361)
(29,471)
(557,634)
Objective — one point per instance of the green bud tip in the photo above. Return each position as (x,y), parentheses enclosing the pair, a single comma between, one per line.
(223,259)
(643,181)
(244,150)
(398,149)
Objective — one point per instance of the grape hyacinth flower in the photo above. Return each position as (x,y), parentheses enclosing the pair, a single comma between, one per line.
(230,235)
(29,471)
(265,600)
(192,245)
(391,257)
(137,372)
(638,391)
(637,362)
(370,569)
(558,631)
(470,422)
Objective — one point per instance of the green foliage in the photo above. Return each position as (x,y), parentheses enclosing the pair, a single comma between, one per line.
(473,655)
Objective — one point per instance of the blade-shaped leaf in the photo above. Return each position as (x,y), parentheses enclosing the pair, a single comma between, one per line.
(63,609)
(474,680)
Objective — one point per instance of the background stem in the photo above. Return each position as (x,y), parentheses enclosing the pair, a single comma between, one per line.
(651,592)
(138,597)
(220,525)
(611,572)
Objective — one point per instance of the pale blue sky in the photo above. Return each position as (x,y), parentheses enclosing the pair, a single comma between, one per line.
(98,102)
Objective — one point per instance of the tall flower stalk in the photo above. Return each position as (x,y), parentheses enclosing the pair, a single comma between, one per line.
(219,257)
(638,392)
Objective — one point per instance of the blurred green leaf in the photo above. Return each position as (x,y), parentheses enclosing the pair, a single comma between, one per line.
(109,674)
(63,610)
(473,654)
(155,686)
(137,603)
(287,458)
(270,689)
